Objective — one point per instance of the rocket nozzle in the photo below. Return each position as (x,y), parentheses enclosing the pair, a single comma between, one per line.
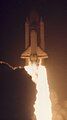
(34,58)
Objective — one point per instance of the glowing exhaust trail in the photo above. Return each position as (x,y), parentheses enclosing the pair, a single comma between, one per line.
(42,104)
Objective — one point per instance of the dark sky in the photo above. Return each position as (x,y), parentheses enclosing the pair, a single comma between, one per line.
(12,17)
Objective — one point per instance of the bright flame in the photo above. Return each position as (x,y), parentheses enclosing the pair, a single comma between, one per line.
(42,104)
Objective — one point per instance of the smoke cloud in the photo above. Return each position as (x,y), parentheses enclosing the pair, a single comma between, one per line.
(17,94)
(59,110)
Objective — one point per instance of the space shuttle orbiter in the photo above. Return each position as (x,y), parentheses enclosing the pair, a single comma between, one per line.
(34,40)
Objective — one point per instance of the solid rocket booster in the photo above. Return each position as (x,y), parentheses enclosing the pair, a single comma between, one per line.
(26,33)
(34,41)
(42,32)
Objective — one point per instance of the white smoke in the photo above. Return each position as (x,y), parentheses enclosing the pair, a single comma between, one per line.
(59,110)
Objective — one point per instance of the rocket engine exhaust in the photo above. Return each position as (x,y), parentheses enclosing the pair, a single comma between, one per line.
(43,103)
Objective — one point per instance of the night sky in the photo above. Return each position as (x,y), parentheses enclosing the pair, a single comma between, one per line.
(12,18)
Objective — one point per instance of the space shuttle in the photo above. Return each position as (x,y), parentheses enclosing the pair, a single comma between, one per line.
(34,40)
